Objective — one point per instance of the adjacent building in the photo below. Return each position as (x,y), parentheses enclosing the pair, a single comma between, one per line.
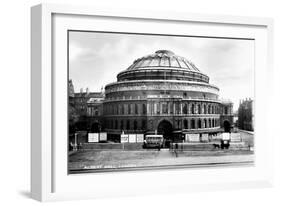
(245,115)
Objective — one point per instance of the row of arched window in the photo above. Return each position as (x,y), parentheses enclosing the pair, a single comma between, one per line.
(125,108)
(199,108)
(120,124)
(200,123)
(161,108)
(126,124)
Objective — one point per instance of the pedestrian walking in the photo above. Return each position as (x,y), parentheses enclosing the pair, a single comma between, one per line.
(176,149)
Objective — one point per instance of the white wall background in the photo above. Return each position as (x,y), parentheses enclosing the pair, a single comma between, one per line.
(15,101)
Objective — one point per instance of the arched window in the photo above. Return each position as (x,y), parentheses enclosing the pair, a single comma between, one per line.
(192,109)
(209,109)
(205,123)
(118,110)
(184,109)
(143,108)
(121,125)
(158,108)
(135,125)
(199,109)
(171,108)
(205,109)
(164,108)
(199,123)
(213,122)
(116,124)
(114,109)
(210,123)
(177,108)
(143,124)
(192,124)
(179,124)
(136,108)
(128,125)
(122,109)
(185,124)
(225,110)
(129,108)
(151,106)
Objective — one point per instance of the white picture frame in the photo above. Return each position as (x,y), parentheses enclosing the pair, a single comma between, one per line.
(49,177)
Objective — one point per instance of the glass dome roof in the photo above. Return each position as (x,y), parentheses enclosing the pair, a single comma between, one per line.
(162,65)
(163,58)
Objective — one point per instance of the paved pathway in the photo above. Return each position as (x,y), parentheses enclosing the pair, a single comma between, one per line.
(132,159)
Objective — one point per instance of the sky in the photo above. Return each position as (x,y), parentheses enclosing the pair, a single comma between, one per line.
(95,59)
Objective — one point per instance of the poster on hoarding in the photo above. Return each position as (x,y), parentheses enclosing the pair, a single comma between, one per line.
(124,138)
(205,137)
(193,137)
(93,137)
(235,137)
(186,139)
(132,138)
(103,136)
(140,137)
(226,136)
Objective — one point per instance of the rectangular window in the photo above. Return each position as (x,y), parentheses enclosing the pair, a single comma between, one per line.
(152,108)
(158,108)
(171,108)
(164,108)
(177,108)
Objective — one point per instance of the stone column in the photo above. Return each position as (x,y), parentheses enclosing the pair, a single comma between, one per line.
(180,108)
(168,104)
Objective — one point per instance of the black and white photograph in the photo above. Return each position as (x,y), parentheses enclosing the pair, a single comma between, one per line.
(159,101)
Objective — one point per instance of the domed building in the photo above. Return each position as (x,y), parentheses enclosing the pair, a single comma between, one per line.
(164,93)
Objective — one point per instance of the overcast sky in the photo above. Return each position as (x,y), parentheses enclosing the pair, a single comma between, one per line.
(96,58)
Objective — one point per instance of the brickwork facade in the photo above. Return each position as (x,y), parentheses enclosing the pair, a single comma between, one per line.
(157,92)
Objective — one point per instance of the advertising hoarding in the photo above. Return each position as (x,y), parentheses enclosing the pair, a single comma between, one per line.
(103,136)
(140,137)
(124,138)
(132,138)
(193,137)
(93,137)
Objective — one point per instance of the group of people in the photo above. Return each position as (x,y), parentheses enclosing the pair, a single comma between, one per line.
(73,147)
